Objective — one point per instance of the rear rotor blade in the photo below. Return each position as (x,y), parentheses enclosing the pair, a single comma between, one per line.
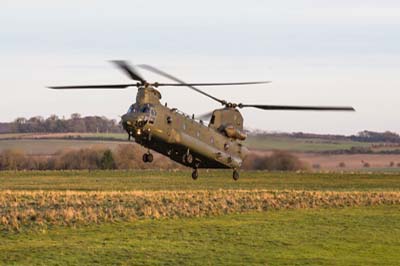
(214,84)
(129,70)
(298,108)
(164,74)
(108,86)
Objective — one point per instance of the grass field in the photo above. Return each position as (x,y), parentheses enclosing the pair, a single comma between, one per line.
(211,180)
(350,236)
(165,218)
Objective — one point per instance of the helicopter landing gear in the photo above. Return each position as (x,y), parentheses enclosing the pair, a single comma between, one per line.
(147,157)
(195,174)
(235,175)
(188,158)
(130,136)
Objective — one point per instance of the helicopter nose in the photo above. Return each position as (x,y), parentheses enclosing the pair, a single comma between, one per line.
(127,121)
(125,118)
(130,121)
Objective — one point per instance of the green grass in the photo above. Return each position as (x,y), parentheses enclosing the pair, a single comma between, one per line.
(181,180)
(350,236)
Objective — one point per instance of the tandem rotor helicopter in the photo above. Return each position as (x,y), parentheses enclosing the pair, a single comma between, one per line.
(183,138)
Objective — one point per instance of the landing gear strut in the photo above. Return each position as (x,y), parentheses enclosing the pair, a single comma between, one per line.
(188,158)
(235,175)
(147,157)
(195,174)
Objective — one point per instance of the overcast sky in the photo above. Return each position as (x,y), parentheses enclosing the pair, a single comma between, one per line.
(315,52)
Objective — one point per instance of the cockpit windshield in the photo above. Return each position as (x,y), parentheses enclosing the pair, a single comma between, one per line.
(146,109)
(133,109)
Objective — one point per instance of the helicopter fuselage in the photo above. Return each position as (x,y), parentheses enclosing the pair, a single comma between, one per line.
(179,136)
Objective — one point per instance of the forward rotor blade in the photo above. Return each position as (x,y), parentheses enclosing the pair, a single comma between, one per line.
(129,70)
(298,108)
(164,74)
(77,87)
(215,84)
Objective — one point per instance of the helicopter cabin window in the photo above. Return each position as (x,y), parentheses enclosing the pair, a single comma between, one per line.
(212,140)
(198,134)
(169,120)
(226,146)
(184,126)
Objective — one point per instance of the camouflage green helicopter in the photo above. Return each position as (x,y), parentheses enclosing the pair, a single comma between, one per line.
(183,138)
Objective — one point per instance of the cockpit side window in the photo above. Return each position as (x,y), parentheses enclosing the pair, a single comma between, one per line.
(133,108)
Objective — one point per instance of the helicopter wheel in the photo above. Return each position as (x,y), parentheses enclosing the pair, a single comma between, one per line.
(235,175)
(148,157)
(195,174)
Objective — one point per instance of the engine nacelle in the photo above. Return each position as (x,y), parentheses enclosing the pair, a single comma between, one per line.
(234,133)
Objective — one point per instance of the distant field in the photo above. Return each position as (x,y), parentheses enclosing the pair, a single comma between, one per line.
(300,145)
(117,136)
(51,146)
(259,143)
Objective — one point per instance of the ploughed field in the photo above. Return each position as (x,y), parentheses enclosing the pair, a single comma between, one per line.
(160,217)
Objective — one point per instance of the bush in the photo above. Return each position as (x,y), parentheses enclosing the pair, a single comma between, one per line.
(79,159)
(107,161)
(316,166)
(278,160)
(342,165)
(13,160)
(129,157)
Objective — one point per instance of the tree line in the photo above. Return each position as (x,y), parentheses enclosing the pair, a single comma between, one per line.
(371,136)
(55,124)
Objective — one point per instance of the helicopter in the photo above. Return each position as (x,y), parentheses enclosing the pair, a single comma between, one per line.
(183,138)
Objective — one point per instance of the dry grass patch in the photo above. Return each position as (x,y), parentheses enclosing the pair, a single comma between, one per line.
(44,208)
